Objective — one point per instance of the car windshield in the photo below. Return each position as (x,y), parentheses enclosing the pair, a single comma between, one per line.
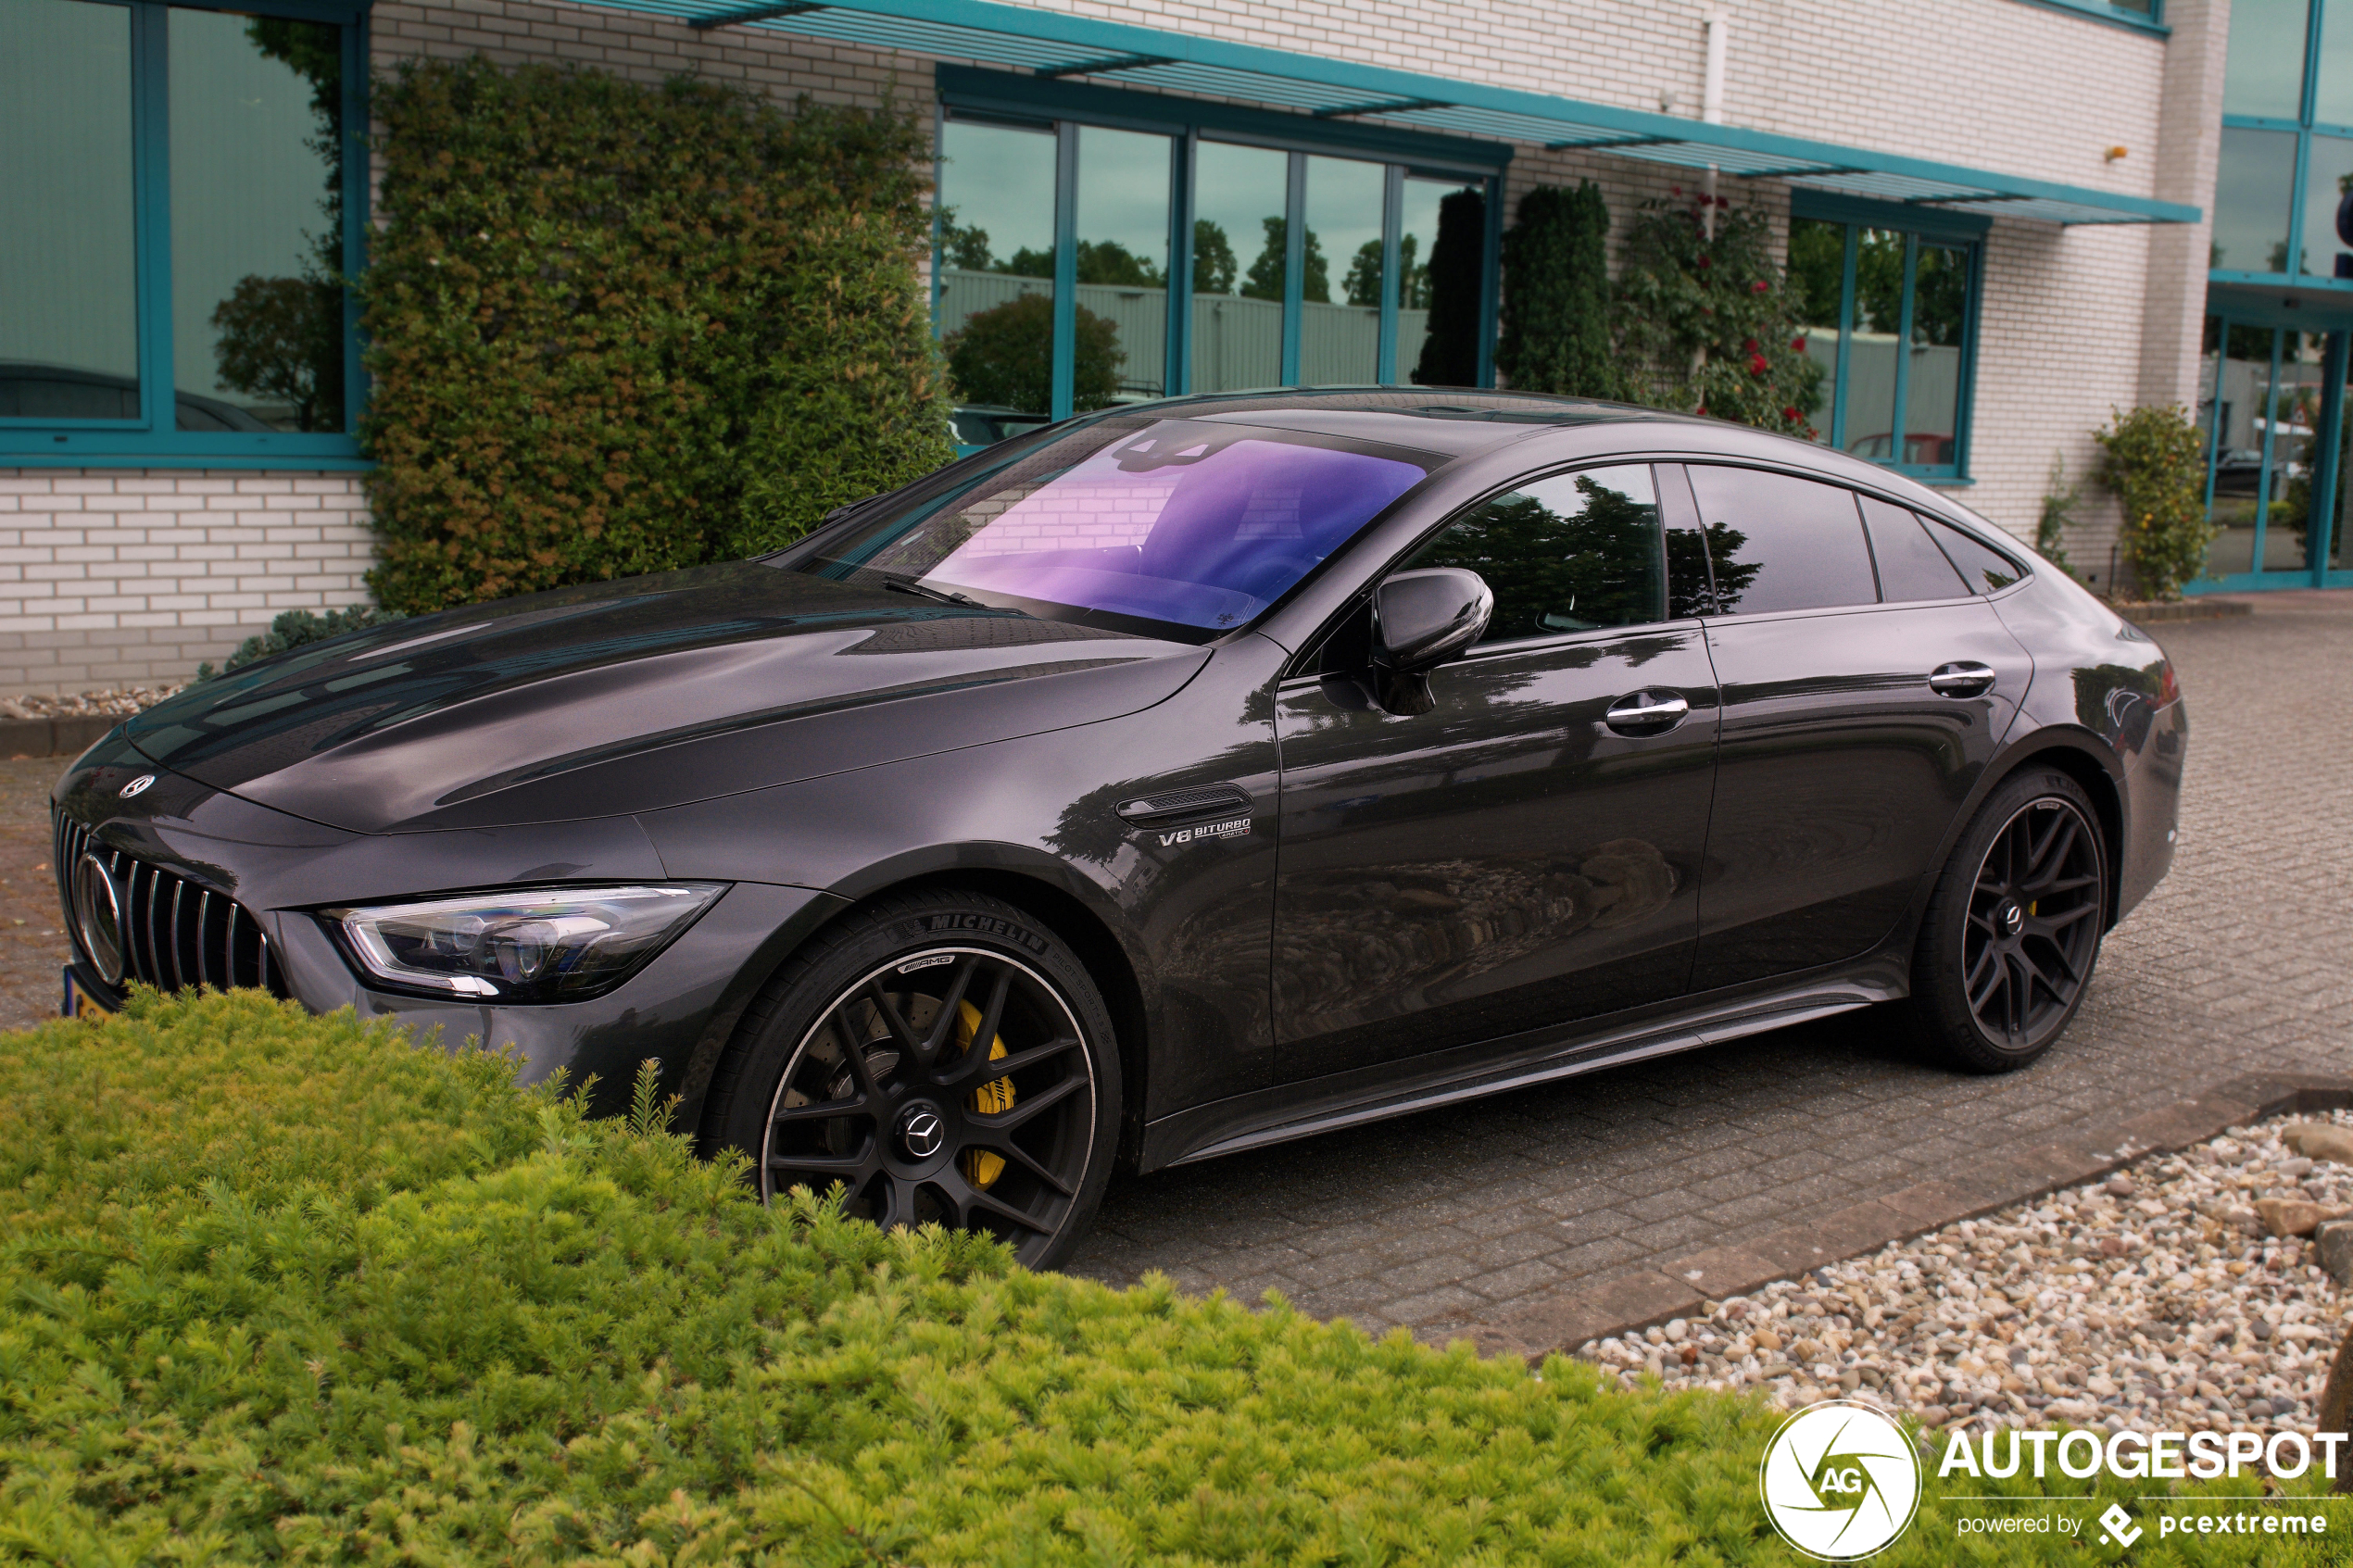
(1176,527)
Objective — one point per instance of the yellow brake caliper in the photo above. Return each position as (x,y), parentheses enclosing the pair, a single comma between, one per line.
(982,1168)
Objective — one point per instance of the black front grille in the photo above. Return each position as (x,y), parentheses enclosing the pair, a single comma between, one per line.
(176,933)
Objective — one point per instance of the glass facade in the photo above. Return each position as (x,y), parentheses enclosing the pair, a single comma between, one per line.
(2271,400)
(1204,257)
(201,317)
(1888,314)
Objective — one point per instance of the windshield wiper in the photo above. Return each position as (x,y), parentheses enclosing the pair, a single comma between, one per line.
(898,583)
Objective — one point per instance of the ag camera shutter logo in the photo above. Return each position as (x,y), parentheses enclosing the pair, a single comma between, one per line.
(1839,1480)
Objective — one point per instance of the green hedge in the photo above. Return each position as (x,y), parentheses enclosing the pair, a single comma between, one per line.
(616,329)
(279,1288)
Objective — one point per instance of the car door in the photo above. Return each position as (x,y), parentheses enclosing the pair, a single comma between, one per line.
(1523,854)
(1855,721)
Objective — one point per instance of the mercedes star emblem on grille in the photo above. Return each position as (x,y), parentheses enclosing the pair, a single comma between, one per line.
(136,787)
(97,911)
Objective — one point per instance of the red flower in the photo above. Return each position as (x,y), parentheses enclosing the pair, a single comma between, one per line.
(1757,287)
(1675,190)
(1791,415)
(1702,410)
(1749,347)
(1703,262)
(1756,366)
(1797,345)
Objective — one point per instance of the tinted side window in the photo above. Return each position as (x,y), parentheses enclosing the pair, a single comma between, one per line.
(1988,571)
(1910,566)
(1569,553)
(1780,543)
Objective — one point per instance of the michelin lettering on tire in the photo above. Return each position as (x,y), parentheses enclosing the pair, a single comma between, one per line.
(1839,1480)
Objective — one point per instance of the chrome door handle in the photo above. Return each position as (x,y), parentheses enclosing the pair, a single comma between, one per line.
(1646,712)
(1966,678)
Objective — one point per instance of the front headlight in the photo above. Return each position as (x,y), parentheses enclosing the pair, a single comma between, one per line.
(537,945)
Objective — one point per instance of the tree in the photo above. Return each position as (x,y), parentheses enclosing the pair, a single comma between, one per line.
(1005,356)
(1214,267)
(282,339)
(963,246)
(1363,284)
(1108,261)
(1556,333)
(1264,279)
(1550,571)
(1457,259)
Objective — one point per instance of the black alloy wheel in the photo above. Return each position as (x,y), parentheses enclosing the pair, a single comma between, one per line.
(2014,929)
(943,1060)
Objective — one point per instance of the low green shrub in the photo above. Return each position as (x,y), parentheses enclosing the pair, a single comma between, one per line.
(616,329)
(2153,457)
(293,628)
(289,1289)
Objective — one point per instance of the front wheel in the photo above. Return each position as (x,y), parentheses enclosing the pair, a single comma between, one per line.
(2013,929)
(944,1058)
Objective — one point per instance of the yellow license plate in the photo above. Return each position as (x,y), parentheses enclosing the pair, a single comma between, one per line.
(82,1004)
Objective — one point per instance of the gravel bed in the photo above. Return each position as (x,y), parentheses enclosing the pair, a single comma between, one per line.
(115,702)
(2151,1300)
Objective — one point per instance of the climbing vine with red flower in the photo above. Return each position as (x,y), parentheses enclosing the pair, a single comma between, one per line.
(1705,322)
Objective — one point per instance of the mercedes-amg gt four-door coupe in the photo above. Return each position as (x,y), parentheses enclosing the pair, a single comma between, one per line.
(1174,780)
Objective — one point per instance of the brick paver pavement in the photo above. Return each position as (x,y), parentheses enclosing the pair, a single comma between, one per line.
(1481,1213)
(1485,1214)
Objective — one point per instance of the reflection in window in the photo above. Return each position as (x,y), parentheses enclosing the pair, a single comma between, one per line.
(257,217)
(1339,326)
(2265,75)
(1571,553)
(1181,524)
(996,268)
(1897,389)
(2256,177)
(2328,176)
(2264,435)
(1910,566)
(1240,195)
(1780,543)
(69,300)
(1440,263)
(1121,353)
(1818,285)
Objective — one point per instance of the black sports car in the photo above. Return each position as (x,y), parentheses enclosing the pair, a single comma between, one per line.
(1175,780)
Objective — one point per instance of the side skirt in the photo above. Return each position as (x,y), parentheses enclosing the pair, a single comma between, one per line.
(1301,1110)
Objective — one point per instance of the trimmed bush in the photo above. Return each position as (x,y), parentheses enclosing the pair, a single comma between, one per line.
(2153,457)
(616,329)
(288,1290)
(1555,331)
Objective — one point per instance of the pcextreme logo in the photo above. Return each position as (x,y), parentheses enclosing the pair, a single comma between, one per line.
(1839,1480)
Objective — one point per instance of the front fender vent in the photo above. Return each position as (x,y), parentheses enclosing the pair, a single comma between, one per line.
(1181,807)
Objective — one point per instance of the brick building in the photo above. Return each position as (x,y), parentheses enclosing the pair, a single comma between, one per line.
(2004,214)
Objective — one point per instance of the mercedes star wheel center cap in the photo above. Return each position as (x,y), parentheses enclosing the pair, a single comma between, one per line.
(97,911)
(2012,918)
(921,1131)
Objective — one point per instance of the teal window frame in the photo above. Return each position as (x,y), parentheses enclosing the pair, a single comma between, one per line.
(2305,128)
(2151,20)
(1965,231)
(1063,106)
(152,441)
(2328,463)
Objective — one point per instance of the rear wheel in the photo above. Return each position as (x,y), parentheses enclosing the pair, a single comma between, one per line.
(2013,930)
(943,1058)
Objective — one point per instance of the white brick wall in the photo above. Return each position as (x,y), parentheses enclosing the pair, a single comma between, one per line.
(108,576)
(111,577)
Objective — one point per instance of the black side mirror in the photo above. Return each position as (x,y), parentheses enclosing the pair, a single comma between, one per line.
(1421,619)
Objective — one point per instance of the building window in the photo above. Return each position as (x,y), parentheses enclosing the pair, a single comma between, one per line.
(1888,296)
(2287,142)
(1096,247)
(200,319)
(2273,395)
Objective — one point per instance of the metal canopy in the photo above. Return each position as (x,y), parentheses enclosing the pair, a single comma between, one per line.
(1055,45)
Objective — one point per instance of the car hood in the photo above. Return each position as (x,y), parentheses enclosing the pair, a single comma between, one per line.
(636,696)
